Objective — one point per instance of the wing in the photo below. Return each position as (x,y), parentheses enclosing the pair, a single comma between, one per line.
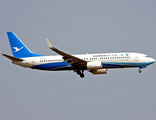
(74,61)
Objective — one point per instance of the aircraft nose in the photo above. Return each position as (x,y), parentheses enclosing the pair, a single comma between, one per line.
(152,60)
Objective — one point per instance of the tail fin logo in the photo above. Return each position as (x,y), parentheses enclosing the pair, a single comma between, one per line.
(17,49)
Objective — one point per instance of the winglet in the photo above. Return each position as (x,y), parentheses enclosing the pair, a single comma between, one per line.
(49,44)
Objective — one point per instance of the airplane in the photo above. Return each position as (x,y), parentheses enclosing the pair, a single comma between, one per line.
(94,63)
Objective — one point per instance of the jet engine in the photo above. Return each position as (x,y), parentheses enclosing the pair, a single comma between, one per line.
(94,65)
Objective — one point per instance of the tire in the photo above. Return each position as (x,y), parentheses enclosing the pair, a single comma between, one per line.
(82,75)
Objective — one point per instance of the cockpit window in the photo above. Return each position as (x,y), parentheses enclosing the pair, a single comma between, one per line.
(146,56)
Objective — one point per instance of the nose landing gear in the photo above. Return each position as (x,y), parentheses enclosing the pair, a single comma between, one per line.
(139,71)
(141,67)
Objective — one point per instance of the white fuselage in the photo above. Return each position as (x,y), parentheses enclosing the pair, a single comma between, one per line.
(108,60)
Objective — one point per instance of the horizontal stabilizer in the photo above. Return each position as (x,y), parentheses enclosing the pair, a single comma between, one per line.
(12,58)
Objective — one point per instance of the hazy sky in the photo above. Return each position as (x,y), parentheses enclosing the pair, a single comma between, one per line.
(78,26)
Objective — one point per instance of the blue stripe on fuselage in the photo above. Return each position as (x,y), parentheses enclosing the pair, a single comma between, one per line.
(118,64)
(50,66)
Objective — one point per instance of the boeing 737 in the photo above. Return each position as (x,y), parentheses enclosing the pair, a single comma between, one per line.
(94,63)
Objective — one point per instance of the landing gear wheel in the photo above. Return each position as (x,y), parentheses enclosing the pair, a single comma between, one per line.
(139,71)
(82,75)
(78,72)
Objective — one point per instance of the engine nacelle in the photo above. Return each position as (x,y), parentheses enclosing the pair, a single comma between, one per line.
(99,71)
(94,65)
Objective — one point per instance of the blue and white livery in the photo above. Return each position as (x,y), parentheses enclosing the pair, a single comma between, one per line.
(94,63)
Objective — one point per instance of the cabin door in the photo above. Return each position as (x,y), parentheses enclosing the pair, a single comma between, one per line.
(136,58)
(33,61)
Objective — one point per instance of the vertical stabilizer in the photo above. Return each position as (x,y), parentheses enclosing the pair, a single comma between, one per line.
(18,48)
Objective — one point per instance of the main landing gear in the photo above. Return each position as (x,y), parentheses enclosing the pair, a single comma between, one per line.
(80,73)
